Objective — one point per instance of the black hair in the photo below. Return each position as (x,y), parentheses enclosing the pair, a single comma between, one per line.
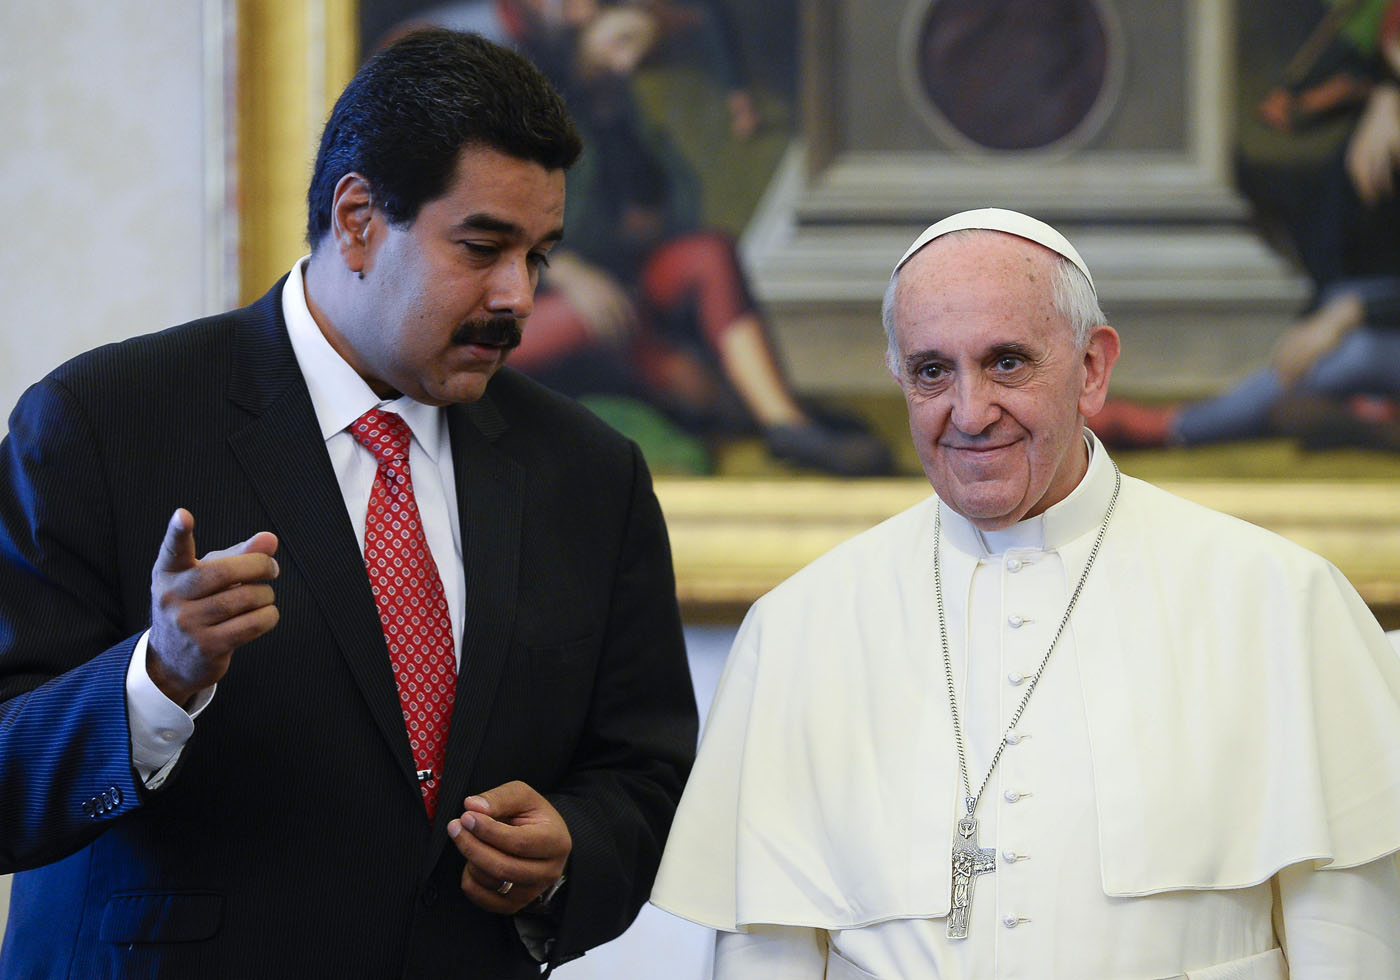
(411,109)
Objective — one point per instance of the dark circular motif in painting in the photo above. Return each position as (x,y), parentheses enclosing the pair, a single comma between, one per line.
(1013,74)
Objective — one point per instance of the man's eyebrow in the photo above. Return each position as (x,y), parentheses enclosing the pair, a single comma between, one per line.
(484,221)
(993,351)
(914,358)
(1019,349)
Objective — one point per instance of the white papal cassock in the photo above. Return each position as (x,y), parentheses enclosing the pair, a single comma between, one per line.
(1208,770)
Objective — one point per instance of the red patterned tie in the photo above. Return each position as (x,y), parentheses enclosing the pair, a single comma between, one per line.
(408,591)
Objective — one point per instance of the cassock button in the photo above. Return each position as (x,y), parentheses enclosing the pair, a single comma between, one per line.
(1011,796)
(1011,922)
(1010,857)
(1013,739)
(1015,678)
(1014,564)
(1016,622)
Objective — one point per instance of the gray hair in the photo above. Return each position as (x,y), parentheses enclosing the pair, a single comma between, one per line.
(1072,295)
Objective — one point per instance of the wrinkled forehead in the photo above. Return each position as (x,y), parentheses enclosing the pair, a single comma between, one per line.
(969,267)
(977,287)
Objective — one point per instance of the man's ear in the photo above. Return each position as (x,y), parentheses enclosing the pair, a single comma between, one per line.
(1100,354)
(893,366)
(352,213)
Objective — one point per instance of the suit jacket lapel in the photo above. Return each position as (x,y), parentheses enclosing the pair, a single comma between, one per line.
(307,509)
(490,501)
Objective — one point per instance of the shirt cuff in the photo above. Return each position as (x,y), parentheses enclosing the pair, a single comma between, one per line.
(537,935)
(159,727)
(536,924)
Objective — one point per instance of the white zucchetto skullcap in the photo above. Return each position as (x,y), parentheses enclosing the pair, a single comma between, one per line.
(1000,219)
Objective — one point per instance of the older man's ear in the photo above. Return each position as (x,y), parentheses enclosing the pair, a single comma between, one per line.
(1100,354)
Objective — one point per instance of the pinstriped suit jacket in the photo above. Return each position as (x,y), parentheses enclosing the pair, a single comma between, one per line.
(290,840)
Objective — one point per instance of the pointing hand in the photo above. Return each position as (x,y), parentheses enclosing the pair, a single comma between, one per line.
(202,609)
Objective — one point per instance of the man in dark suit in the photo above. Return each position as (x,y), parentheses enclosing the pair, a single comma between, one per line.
(245,764)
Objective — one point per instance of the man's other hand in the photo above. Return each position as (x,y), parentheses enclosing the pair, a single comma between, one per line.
(202,609)
(510,834)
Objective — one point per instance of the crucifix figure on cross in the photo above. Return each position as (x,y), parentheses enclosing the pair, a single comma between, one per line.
(969,861)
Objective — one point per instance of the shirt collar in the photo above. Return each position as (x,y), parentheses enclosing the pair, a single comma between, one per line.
(1078,514)
(339,396)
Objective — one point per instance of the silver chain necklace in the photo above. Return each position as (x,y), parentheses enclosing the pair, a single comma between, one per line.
(969,860)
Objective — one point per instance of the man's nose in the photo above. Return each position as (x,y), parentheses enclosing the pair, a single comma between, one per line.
(974,405)
(511,290)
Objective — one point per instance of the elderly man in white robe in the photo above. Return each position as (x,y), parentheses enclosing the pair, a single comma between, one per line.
(1052,722)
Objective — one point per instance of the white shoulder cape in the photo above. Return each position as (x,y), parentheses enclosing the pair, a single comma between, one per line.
(1243,710)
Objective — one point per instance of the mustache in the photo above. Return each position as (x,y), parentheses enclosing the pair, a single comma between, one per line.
(500,331)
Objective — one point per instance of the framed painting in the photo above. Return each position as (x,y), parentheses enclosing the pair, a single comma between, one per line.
(819,137)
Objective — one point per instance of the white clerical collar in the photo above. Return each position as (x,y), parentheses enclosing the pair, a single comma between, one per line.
(1078,514)
(338,394)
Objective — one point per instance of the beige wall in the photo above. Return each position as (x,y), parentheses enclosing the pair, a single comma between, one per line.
(101,177)
(101,180)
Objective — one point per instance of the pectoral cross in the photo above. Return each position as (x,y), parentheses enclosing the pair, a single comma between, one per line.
(969,861)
